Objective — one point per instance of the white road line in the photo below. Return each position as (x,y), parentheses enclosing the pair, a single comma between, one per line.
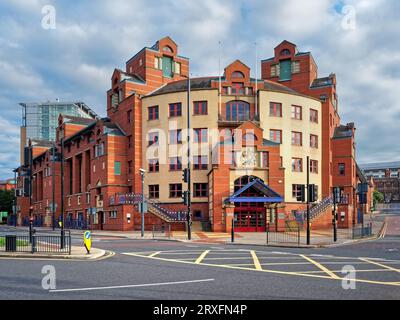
(131,286)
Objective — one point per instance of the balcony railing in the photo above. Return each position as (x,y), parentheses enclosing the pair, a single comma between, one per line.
(237,120)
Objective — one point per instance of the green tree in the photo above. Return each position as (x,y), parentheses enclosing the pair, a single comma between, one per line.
(378,197)
(7,200)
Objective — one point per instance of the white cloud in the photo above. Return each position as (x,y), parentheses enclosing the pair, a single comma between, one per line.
(75,61)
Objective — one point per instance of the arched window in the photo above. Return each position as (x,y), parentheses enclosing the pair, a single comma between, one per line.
(242,181)
(285,52)
(167,49)
(249,138)
(237,111)
(237,75)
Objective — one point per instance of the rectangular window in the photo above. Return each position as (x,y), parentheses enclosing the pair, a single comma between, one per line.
(175,190)
(175,109)
(297,138)
(275,109)
(200,190)
(296,190)
(153,113)
(177,68)
(314,141)
(237,88)
(200,107)
(200,162)
(175,136)
(275,135)
(295,66)
(117,168)
(297,165)
(200,135)
(157,63)
(113,215)
(154,191)
(175,163)
(342,169)
(296,112)
(313,116)
(153,138)
(99,150)
(154,165)
(313,166)
(265,159)
(275,70)
(129,116)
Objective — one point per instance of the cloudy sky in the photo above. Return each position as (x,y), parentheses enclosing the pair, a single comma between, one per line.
(358,40)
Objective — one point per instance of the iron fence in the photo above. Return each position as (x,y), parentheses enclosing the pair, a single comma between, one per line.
(78,224)
(162,231)
(36,243)
(15,243)
(359,232)
(283,236)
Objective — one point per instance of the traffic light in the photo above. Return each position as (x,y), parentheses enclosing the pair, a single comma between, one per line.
(312,193)
(185,175)
(301,194)
(185,197)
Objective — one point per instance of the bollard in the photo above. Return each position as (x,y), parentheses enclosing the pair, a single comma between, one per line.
(233,230)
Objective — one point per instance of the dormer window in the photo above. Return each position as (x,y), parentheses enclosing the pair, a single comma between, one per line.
(237,75)
(285,52)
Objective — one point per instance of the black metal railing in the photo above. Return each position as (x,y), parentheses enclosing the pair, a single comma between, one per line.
(359,232)
(38,243)
(283,236)
(153,206)
(79,224)
(162,231)
(15,243)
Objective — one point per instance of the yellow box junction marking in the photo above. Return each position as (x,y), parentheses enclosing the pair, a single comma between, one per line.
(201,257)
(257,264)
(320,266)
(380,264)
(296,273)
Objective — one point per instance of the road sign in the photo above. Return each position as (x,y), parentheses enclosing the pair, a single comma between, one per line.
(87,240)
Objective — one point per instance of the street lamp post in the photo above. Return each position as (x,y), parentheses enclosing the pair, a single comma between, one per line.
(53,186)
(308,201)
(336,200)
(62,193)
(142,174)
(189,227)
(15,197)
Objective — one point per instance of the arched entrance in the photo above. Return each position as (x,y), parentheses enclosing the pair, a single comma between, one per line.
(249,215)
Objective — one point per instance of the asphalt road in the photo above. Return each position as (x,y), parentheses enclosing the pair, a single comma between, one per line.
(142,269)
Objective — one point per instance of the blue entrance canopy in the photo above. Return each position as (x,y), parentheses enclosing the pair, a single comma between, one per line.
(267,195)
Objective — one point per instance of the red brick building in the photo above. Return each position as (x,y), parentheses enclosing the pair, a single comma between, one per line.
(249,142)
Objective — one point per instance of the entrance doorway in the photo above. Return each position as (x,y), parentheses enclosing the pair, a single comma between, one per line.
(250,218)
(101,219)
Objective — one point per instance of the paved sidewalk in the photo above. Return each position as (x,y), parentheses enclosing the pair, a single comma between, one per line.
(77,253)
(319,238)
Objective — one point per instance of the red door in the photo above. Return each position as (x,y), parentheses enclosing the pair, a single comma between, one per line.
(250,219)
